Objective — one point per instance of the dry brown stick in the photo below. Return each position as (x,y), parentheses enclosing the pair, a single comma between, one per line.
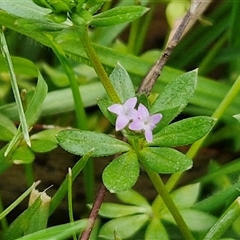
(94,213)
(150,79)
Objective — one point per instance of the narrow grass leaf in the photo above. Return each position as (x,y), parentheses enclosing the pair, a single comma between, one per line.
(19,225)
(62,190)
(6,55)
(17,201)
(60,232)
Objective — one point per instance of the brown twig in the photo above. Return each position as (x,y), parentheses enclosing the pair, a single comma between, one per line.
(94,212)
(150,79)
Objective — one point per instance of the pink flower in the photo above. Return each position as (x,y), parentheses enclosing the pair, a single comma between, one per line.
(125,112)
(145,122)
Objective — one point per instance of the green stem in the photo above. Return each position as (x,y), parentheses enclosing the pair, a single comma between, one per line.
(216,115)
(103,77)
(165,196)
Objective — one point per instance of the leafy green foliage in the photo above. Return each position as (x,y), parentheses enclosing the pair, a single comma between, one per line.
(202,48)
(165,160)
(80,142)
(122,173)
(20,224)
(125,226)
(118,15)
(122,83)
(183,132)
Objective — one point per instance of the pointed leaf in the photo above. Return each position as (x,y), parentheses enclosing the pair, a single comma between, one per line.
(7,128)
(183,132)
(114,210)
(23,154)
(122,83)
(186,196)
(118,15)
(103,105)
(122,173)
(177,93)
(63,231)
(237,116)
(165,160)
(19,225)
(156,230)
(33,110)
(195,220)
(44,141)
(24,9)
(133,197)
(123,227)
(80,142)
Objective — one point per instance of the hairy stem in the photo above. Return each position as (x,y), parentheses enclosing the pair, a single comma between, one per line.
(103,77)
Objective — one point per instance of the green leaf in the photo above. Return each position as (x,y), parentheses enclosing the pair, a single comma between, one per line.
(63,231)
(225,221)
(5,161)
(195,220)
(203,98)
(44,141)
(62,190)
(165,160)
(122,173)
(123,227)
(40,217)
(21,65)
(183,132)
(14,84)
(23,154)
(17,201)
(115,210)
(80,142)
(237,116)
(167,116)
(156,230)
(133,197)
(177,93)
(103,105)
(186,196)
(118,15)
(122,83)
(33,110)
(7,128)
(19,225)
(24,9)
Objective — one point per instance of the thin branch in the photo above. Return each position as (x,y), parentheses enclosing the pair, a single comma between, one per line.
(94,213)
(150,79)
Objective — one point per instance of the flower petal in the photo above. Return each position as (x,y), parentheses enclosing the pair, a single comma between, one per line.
(148,134)
(116,108)
(121,122)
(143,112)
(155,118)
(130,103)
(136,125)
